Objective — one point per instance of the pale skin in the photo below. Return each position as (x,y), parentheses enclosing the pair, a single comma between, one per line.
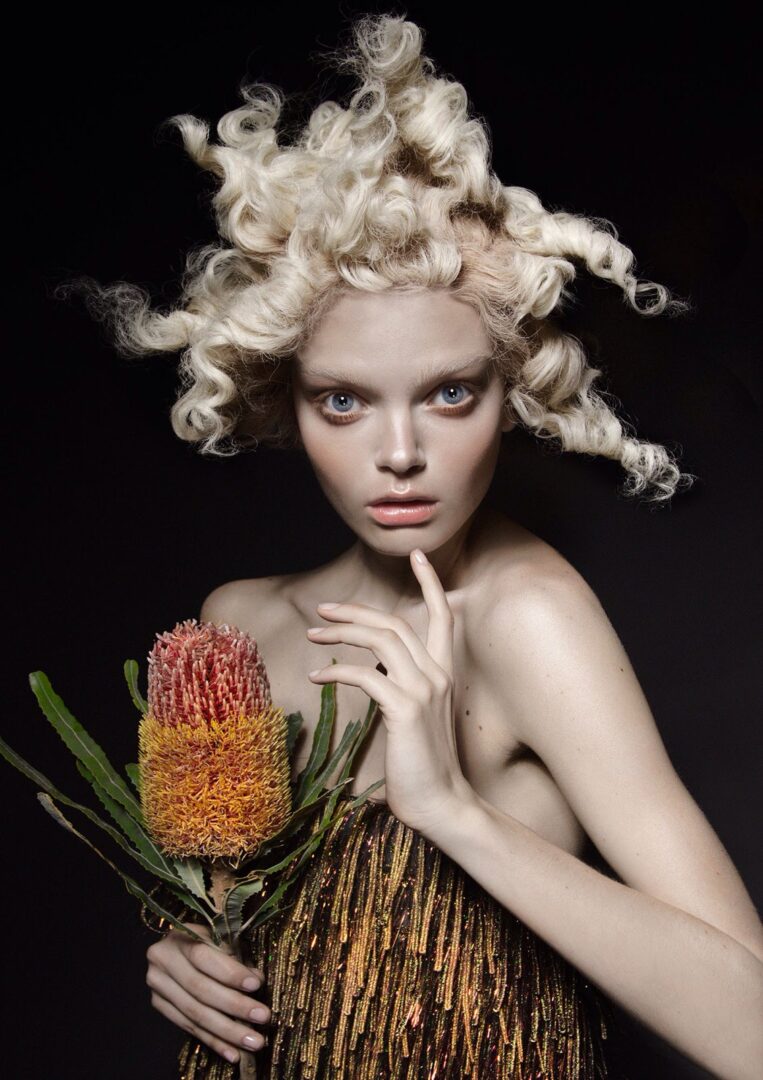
(512,723)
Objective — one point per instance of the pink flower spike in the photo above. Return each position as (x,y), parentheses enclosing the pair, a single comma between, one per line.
(200,672)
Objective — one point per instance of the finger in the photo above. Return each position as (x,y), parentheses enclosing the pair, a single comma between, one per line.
(363,614)
(384,642)
(213,961)
(167,1009)
(205,1017)
(379,687)
(441,623)
(191,977)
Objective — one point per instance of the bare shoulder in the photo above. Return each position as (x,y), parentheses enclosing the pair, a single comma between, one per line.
(523,573)
(255,605)
(273,609)
(547,642)
(538,605)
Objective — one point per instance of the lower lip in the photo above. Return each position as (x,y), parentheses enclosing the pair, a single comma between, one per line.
(402,513)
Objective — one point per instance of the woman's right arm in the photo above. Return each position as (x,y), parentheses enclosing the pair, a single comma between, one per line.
(205,992)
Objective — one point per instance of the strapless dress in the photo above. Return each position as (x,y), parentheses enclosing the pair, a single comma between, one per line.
(392,963)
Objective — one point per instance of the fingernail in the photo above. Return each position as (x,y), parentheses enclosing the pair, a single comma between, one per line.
(419,555)
(316,672)
(328,605)
(251,983)
(232,1056)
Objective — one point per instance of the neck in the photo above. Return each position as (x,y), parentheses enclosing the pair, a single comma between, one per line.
(388,581)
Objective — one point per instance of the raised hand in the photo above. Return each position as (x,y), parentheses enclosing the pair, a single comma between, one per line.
(423,776)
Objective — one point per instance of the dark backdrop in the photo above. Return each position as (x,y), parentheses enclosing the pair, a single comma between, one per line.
(118,530)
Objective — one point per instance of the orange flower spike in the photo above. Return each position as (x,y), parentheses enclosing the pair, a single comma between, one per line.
(214,763)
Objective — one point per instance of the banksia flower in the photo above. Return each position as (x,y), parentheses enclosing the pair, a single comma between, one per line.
(212,789)
(213,750)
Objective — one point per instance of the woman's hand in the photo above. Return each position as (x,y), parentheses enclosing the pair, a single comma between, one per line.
(203,991)
(423,777)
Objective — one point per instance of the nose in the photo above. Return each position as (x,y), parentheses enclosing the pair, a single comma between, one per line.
(399,446)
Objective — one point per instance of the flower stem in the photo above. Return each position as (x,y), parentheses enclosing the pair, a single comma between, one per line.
(223,879)
(247,1066)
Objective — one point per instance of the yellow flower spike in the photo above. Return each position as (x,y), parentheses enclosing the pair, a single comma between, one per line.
(213,751)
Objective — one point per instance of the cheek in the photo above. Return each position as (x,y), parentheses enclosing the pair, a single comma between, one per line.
(469,452)
(315,446)
(334,467)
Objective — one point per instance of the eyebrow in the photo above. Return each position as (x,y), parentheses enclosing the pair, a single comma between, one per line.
(433,371)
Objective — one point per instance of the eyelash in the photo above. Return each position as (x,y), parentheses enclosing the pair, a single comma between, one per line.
(346,418)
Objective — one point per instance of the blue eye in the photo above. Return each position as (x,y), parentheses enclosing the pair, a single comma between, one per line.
(339,394)
(337,405)
(452,386)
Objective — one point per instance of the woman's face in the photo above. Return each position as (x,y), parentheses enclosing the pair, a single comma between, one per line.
(393,397)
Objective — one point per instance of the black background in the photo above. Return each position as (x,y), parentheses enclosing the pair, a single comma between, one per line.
(118,530)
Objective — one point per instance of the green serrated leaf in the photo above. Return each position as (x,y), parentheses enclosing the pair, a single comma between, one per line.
(269,907)
(133,775)
(233,904)
(302,853)
(82,745)
(307,847)
(297,817)
(192,873)
(259,917)
(131,675)
(321,740)
(132,830)
(152,865)
(348,736)
(358,742)
(283,861)
(294,722)
(132,886)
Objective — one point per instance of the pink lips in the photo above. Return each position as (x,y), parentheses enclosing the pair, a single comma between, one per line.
(402,513)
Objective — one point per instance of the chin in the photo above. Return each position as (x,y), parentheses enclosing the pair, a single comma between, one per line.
(401,541)
(396,541)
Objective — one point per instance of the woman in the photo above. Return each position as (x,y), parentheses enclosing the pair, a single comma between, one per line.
(375,267)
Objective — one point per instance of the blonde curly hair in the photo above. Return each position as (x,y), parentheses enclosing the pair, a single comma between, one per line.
(393,191)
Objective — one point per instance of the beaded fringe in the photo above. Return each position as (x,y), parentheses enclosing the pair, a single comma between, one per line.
(393,964)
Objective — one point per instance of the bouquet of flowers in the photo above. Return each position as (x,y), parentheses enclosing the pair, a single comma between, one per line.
(210,809)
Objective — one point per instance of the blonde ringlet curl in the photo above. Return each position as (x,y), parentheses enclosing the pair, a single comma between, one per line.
(395,191)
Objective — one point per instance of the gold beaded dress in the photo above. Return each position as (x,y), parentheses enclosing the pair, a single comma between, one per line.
(392,963)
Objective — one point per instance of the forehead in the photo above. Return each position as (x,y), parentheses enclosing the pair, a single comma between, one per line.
(396,327)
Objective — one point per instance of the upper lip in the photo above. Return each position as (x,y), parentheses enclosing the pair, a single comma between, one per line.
(394,497)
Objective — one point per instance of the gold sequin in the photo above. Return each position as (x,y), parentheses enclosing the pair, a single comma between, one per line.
(393,964)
